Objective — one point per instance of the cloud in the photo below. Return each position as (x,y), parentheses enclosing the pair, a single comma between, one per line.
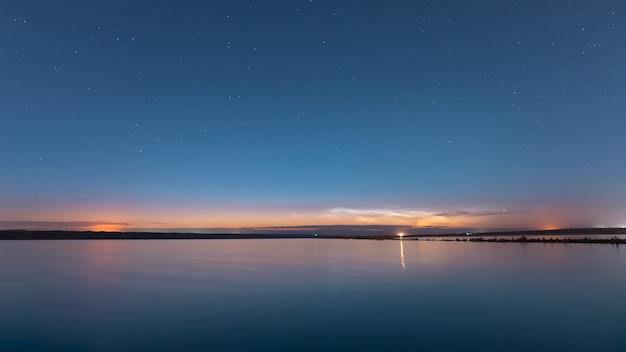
(403,213)
(417,217)
(421,213)
(500,212)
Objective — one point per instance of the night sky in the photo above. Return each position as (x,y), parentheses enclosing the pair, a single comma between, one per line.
(207,115)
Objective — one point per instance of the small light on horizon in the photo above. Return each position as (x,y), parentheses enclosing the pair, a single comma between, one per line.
(400,234)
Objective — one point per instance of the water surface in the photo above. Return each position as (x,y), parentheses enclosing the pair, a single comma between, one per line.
(310,294)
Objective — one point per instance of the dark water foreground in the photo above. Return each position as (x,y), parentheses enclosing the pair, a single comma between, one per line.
(311,295)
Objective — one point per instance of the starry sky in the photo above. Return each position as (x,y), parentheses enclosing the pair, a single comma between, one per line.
(307,114)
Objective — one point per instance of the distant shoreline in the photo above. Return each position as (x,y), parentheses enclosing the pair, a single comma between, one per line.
(524,239)
(538,236)
(529,236)
(95,235)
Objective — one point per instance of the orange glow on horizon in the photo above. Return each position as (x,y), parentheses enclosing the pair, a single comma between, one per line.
(106,228)
(111,217)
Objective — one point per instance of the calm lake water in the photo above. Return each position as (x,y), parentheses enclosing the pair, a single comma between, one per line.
(310,294)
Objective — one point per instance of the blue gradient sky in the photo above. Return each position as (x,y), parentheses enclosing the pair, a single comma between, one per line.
(230,114)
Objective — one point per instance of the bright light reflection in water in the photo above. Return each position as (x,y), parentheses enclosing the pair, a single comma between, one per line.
(402,254)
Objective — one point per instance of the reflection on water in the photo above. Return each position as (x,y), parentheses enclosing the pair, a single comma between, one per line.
(402,254)
(310,294)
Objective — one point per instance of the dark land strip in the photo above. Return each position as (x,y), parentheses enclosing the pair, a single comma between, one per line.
(93,235)
(591,235)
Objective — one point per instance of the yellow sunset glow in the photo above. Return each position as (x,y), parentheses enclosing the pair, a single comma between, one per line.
(106,228)
(161,217)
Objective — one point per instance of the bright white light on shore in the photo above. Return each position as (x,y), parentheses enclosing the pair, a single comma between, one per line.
(400,234)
